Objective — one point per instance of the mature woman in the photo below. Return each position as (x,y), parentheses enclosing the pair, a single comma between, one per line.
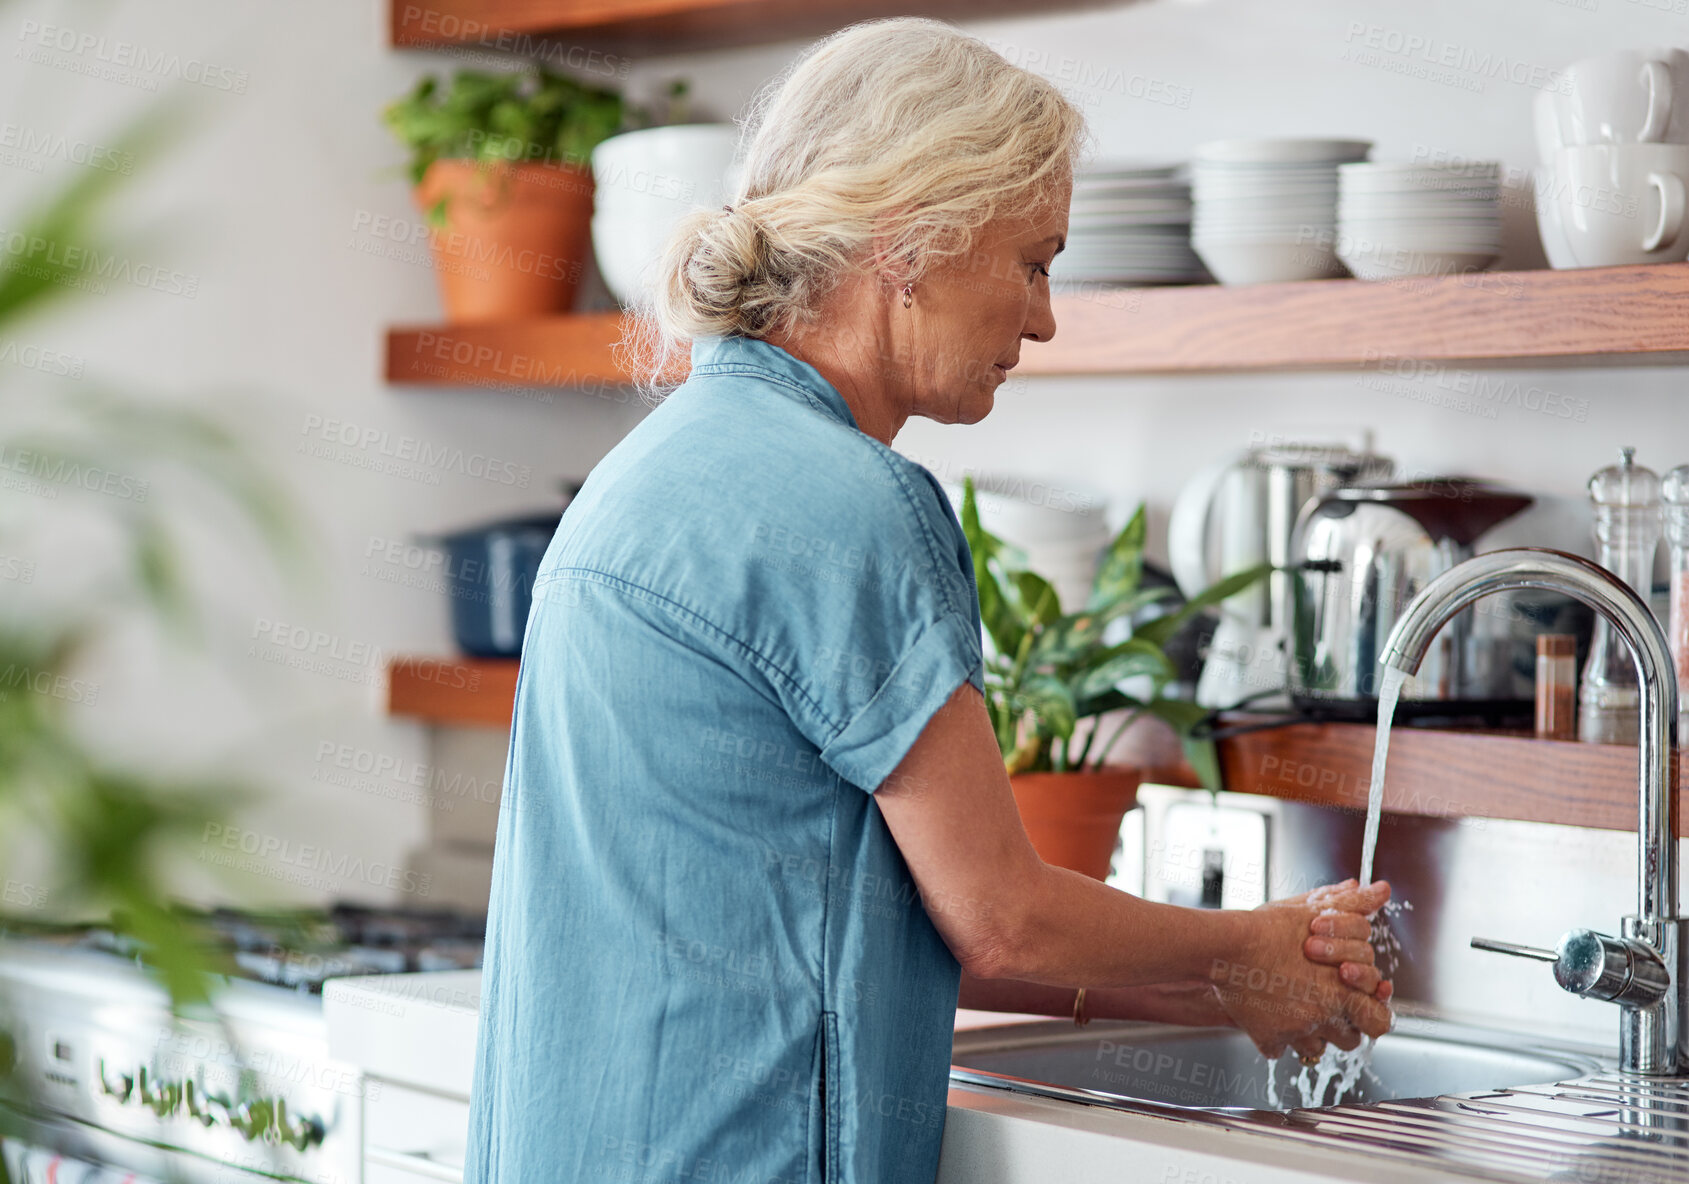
(756,825)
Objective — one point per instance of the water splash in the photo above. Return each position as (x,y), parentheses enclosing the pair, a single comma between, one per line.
(1389,690)
(1338,1072)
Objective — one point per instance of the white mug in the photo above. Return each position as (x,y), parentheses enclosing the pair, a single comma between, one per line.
(1623,203)
(1632,96)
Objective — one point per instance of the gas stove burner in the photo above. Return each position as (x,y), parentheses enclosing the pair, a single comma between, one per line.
(302,948)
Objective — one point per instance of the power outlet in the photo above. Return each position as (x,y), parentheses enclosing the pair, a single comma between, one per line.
(1204,850)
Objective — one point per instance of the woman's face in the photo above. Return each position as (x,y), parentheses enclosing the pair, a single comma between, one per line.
(972,312)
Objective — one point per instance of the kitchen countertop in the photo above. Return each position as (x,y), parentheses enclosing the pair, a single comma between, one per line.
(419,1030)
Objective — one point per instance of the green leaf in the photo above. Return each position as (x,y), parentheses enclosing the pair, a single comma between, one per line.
(531,114)
(1050,701)
(1067,638)
(1160,629)
(1122,566)
(1181,715)
(1130,659)
(1038,601)
(1203,756)
(997,614)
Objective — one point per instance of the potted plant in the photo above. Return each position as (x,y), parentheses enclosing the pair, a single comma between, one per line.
(1052,670)
(500,167)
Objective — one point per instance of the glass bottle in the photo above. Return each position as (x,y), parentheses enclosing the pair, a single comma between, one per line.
(1626,498)
(1674,492)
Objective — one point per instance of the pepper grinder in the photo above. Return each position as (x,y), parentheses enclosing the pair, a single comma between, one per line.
(1674,492)
(1626,497)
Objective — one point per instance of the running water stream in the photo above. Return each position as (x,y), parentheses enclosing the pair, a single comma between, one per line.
(1337,1071)
(1389,691)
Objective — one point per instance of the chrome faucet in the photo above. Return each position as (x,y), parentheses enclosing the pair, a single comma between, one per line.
(1642,971)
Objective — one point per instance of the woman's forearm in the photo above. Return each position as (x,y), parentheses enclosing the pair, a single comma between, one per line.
(1069,930)
(1190,1003)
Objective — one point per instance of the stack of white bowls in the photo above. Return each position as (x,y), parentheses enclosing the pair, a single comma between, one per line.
(1614,143)
(1062,527)
(644,182)
(1129,224)
(1414,219)
(1266,210)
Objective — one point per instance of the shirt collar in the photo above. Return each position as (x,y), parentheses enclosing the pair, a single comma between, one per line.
(723,355)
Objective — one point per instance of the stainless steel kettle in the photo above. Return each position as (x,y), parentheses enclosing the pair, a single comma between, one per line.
(1239,512)
(1358,555)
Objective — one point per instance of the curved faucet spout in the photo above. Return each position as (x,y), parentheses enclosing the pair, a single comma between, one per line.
(1655,1049)
(1556,571)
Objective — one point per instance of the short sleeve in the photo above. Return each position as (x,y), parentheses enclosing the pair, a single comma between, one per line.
(892,640)
(876,738)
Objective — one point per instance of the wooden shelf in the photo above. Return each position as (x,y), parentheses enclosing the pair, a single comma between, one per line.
(1433,772)
(478,692)
(657,26)
(1444,773)
(1606,314)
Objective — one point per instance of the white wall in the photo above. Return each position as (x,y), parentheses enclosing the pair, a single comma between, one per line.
(1209,69)
(264,200)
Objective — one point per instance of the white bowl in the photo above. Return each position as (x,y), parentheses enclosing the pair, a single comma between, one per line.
(1281,151)
(685,165)
(1386,263)
(626,248)
(1364,184)
(1476,169)
(1053,515)
(1267,262)
(1421,201)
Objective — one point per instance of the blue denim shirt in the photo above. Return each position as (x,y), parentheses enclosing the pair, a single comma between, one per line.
(706,960)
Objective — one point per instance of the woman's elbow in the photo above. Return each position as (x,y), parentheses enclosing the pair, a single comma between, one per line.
(999,946)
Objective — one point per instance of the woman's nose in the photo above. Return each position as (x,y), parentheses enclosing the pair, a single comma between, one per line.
(1040,318)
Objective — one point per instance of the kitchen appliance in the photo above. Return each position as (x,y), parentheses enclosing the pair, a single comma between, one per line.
(490,572)
(1240,512)
(241,1091)
(1358,556)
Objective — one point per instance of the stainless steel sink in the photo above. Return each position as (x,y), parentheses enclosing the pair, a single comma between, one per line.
(1218,1069)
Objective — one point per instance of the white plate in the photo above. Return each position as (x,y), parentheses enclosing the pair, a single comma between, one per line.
(1148,205)
(1129,168)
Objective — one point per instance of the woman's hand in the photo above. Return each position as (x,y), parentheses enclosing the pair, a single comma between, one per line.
(1305,975)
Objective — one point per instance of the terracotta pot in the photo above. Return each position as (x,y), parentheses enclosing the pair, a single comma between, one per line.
(1073,819)
(517,237)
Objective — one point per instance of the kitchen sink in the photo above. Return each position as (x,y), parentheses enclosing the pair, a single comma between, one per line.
(1218,1069)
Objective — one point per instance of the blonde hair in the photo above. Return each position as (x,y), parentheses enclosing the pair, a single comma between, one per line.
(905,128)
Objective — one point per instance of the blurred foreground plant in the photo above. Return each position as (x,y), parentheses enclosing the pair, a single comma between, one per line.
(106,831)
